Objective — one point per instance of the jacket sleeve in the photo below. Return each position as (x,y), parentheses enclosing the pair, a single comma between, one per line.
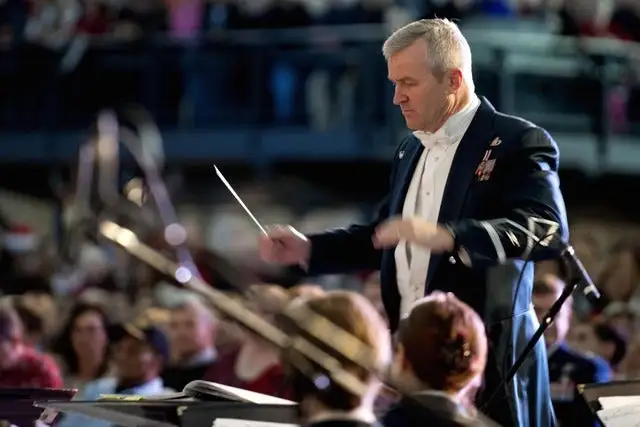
(532,221)
(351,249)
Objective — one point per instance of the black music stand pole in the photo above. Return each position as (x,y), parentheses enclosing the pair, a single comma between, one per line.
(548,318)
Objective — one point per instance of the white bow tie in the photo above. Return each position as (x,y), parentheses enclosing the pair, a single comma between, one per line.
(430,140)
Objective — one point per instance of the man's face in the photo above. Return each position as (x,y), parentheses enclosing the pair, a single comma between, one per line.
(558,330)
(582,337)
(135,359)
(189,331)
(421,96)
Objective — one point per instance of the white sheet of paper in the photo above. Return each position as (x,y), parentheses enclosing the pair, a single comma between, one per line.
(225,422)
(250,396)
(624,416)
(612,402)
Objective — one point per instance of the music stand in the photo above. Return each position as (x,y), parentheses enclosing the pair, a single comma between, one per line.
(591,393)
(17,405)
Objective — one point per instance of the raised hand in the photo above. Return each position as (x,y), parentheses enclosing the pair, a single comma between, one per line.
(284,245)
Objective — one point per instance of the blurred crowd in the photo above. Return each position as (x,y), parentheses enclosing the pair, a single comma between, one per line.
(103,319)
(189,76)
(54,22)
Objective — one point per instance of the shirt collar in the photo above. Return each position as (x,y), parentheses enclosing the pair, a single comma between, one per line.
(453,128)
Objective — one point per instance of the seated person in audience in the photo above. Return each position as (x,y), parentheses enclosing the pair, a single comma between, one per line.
(82,346)
(620,275)
(192,330)
(322,401)
(22,365)
(24,261)
(567,367)
(629,367)
(32,325)
(255,365)
(140,353)
(610,345)
(599,338)
(440,359)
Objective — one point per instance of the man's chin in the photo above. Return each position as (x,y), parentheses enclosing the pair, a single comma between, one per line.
(411,125)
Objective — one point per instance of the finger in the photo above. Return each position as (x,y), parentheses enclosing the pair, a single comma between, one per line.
(387,234)
(278,231)
(296,233)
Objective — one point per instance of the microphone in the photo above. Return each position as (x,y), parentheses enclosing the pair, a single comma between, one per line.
(589,289)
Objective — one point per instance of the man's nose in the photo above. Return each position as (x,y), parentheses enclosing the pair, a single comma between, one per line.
(398,96)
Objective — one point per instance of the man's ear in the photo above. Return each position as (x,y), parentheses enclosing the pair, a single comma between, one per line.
(455,80)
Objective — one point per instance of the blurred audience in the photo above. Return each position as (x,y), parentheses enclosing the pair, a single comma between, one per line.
(23,257)
(620,275)
(34,333)
(255,364)
(22,365)
(141,351)
(192,332)
(83,345)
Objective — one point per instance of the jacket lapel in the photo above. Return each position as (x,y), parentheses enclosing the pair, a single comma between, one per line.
(407,161)
(468,156)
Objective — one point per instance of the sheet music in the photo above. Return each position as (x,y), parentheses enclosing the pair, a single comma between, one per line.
(611,402)
(227,422)
(620,411)
(248,396)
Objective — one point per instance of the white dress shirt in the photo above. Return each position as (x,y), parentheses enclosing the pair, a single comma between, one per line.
(424,198)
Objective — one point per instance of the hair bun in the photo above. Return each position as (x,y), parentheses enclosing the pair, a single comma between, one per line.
(456,353)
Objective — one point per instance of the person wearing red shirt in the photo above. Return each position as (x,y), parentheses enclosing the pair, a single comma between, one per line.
(22,366)
(255,366)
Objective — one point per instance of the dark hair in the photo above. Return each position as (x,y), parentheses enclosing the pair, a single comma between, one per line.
(32,322)
(563,270)
(544,288)
(609,334)
(63,346)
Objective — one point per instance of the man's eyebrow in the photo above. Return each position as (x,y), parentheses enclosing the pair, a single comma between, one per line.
(402,79)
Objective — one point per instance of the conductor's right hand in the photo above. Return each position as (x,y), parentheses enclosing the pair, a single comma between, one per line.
(284,245)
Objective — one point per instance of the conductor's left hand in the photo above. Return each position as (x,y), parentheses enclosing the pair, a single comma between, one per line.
(414,230)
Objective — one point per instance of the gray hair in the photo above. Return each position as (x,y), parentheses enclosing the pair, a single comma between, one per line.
(448,48)
(192,302)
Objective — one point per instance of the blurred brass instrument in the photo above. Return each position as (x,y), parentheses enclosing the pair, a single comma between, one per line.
(305,354)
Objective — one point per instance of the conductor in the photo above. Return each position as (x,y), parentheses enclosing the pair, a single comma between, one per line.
(472,193)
